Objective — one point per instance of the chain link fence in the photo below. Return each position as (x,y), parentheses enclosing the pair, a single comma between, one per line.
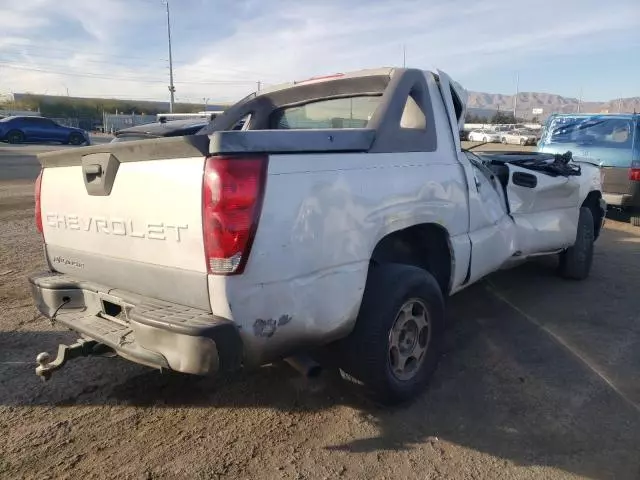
(21,113)
(111,123)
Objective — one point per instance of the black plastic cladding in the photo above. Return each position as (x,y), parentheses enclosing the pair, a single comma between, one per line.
(389,137)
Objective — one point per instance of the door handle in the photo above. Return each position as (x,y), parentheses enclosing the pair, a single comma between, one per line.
(522,179)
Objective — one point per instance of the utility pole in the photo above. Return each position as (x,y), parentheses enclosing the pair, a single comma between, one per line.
(172,88)
(259,85)
(515,99)
(205,101)
(404,56)
(580,101)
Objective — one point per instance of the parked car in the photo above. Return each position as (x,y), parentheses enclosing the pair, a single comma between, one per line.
(486,136)
(611,141)
(518,137)
(174,128)
(171,128)
(40,129)
(300,237)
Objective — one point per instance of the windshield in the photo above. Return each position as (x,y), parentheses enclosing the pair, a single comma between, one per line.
(596,131)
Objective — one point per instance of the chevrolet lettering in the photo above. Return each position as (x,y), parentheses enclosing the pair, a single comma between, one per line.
(117,226)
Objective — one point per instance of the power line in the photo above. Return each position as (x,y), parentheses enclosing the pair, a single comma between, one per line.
(72,50)
(195,74)
(130,79)
(149,61)
(64,63)
(16,57)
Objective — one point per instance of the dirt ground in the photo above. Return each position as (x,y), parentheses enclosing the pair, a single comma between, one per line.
(540,379)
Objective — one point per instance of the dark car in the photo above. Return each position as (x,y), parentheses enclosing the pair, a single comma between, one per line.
(611,141)
(39,129)
(173,128)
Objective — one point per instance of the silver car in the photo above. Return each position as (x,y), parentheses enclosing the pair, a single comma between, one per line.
(519,137)
(486,136)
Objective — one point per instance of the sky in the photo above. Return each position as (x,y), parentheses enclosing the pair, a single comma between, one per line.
(223,48)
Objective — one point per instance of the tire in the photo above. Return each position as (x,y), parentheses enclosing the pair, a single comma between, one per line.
(523,142)
(484,139)
(503,141)
(15,136)
(575,262)
(372,353)
(76,139)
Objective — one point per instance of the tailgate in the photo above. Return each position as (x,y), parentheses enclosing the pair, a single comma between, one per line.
(616,180)
(129,216)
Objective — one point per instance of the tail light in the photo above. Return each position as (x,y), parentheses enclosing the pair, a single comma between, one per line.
(38,209)
(634,172)
(233,189)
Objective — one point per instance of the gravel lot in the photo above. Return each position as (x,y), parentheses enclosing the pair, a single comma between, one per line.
(539,380)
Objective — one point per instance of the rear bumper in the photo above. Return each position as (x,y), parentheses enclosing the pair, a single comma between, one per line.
(147,331)
(631,200)
(618,189)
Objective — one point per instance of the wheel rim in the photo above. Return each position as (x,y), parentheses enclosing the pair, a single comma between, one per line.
(409,339)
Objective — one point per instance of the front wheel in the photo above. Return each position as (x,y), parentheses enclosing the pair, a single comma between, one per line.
(76,139)
(575,262)
(394,347)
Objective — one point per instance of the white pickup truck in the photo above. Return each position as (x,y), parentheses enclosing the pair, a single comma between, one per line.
(332,215)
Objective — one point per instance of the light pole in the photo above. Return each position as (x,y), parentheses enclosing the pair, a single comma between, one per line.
(172,88)
(205,101)
(515,99)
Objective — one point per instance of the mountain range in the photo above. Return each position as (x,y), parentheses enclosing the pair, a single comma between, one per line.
(479,103)
(487,103)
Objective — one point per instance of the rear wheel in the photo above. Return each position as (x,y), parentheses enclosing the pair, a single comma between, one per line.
(575,262)
(15,136)
(394,347)
(76,139)
(523,141)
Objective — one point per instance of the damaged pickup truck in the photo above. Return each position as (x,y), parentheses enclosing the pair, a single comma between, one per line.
(332,223)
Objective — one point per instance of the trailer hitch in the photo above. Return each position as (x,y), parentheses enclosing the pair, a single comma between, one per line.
(82,348)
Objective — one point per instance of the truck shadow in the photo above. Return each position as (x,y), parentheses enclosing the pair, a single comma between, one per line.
(618,215)
(506,386)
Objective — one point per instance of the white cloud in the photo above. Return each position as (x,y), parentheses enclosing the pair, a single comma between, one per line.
(290,39)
